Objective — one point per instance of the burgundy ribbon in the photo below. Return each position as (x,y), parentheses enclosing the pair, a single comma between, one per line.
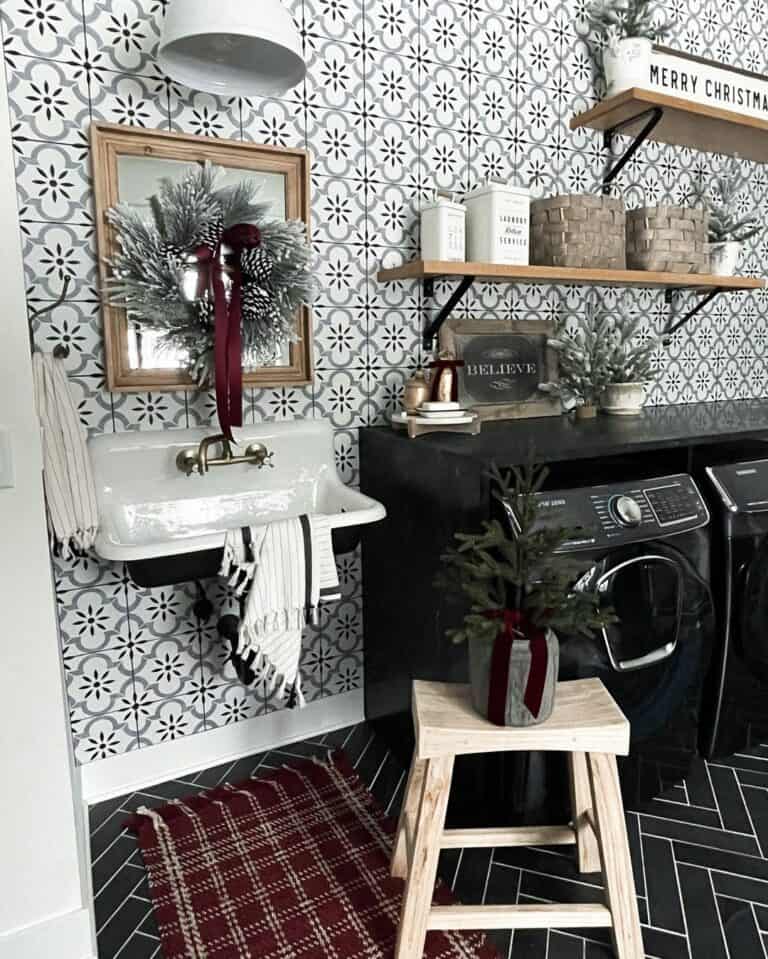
(440,365)
(515,622)
(228,338)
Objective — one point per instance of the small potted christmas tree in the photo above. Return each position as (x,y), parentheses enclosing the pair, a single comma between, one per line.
(520,595)
(629,29)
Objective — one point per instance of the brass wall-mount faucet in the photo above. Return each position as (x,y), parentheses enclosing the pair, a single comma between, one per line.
(190,460)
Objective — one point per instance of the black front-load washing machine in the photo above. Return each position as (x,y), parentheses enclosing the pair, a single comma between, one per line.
(644,547)
(737,693)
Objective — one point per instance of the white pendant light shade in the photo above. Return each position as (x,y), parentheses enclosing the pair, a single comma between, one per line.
(232,47)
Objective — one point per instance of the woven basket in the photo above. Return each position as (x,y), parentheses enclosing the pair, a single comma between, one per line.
(668,239)
(579,231)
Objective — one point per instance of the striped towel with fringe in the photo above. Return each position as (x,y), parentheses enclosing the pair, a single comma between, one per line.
(283,571)
(70,494)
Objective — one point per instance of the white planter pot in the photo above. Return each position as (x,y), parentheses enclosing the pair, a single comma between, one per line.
(724,257)
(627,64)
(623,399)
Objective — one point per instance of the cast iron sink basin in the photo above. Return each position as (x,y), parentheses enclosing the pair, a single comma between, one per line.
(148,509)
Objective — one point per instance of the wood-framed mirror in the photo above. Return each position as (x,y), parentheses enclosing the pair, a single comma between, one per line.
(127,164)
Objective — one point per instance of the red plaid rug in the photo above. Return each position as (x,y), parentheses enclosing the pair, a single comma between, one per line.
(291,866)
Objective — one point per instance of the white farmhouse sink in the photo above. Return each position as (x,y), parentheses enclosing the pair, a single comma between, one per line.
(148,509)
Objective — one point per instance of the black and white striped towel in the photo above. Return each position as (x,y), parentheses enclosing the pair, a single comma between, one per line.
(284,570)
(73,516)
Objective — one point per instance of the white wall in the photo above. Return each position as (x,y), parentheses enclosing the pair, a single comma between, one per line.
(42,887)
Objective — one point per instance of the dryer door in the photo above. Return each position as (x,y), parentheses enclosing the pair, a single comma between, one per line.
(752,612)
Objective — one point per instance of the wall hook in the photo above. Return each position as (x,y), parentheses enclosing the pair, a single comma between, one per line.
(61,350)
(35,314)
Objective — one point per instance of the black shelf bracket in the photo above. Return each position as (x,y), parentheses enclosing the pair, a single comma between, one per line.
(433,328)
(654,115)
(673,327)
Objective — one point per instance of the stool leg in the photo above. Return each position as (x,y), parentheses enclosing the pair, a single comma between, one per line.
(408,812)
(420,884)
(583,816)
(614,849)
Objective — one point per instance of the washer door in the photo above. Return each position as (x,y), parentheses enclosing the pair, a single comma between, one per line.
(654,657)
(647,593)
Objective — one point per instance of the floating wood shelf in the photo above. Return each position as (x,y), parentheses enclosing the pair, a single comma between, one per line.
(683,123)
(434,269)
(467,273)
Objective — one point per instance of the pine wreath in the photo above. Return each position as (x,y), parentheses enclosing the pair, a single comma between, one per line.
(157,273)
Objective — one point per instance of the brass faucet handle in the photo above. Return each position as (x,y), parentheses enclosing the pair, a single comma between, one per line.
(187,461)
(259,455)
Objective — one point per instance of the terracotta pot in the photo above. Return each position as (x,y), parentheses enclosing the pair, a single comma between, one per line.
(513,711)
(724,257)
(623,399)
(627,64)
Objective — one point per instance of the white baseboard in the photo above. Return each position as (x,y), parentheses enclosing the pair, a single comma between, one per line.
(66,937)
(118,775)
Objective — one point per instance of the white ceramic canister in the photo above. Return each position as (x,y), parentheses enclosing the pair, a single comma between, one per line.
(443,229)
(627,64)
(498,224)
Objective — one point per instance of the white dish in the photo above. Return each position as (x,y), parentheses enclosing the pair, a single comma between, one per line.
(455,420)
(440,414)
(432,406)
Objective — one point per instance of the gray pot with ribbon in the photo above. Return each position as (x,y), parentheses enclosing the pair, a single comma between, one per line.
(514,679)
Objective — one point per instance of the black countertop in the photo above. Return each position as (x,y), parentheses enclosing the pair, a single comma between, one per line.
(564,438)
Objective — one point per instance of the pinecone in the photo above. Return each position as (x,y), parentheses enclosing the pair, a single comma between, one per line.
(173,252)
(210,234)
(205,311)
(257,264)
(256,301)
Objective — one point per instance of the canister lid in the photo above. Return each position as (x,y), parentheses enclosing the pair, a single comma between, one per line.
(489,187)
(441,200)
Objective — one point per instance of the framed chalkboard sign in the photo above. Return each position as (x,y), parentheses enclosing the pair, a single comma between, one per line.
(504,364)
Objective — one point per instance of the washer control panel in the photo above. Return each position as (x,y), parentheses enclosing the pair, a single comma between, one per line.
(624,512)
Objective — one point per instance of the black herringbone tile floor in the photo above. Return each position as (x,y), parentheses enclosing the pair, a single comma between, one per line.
(700,855)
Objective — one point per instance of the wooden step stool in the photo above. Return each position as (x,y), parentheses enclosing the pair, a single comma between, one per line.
(588,725)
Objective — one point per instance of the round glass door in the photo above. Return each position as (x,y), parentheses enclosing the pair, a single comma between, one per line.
(646,593)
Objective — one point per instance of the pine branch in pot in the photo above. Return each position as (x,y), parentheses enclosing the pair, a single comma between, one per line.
(582,359)
(629,367)
(628,28)
(731,221)
(518,599)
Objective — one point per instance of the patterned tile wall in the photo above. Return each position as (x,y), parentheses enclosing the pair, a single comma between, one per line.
(400,97)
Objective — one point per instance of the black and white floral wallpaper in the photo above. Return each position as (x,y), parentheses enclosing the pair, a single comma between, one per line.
(401,96)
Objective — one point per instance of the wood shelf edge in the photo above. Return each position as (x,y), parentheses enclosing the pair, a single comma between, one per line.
(650,98)
(431,269)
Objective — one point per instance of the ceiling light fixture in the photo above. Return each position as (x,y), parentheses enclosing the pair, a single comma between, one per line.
(232,47)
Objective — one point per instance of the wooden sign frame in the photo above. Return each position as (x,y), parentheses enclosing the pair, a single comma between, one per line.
(457,334)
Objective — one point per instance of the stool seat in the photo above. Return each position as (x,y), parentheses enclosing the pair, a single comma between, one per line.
(589,727)
(585,719)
